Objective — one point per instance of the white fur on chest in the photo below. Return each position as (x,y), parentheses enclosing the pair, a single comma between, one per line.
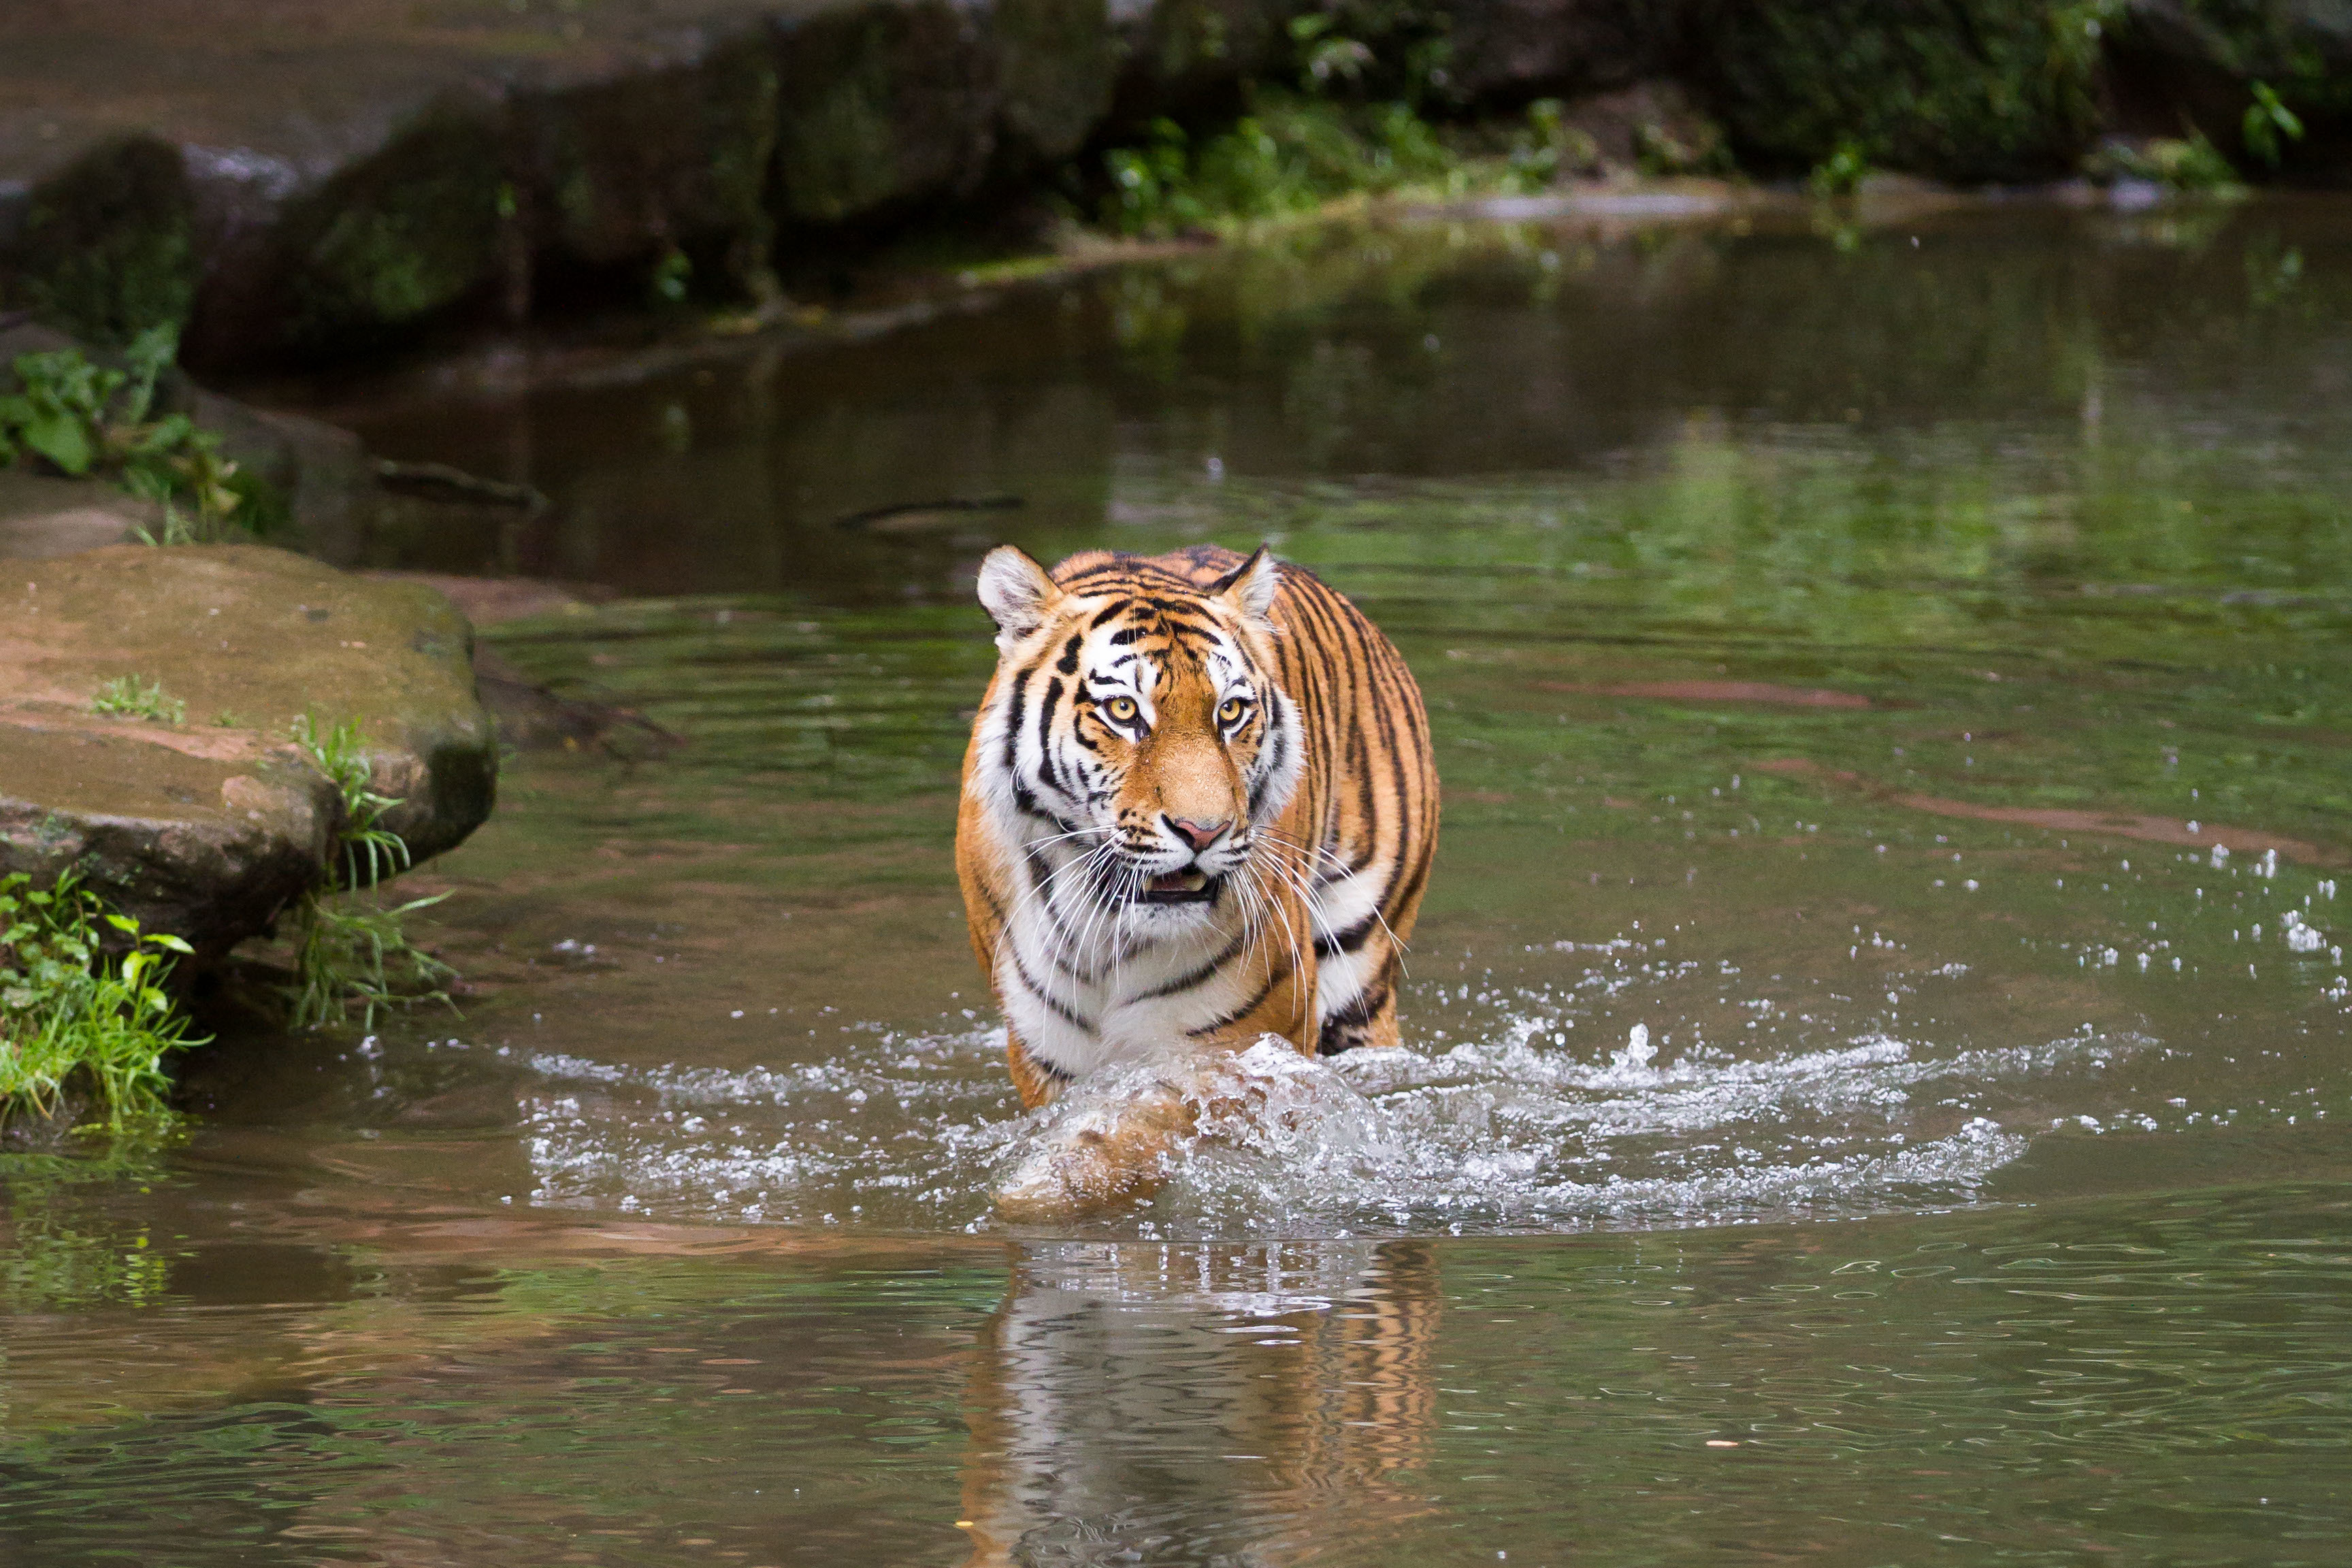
(1084,986)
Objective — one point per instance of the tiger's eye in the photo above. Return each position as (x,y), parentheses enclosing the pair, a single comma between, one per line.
(1122,709)
(1231,713)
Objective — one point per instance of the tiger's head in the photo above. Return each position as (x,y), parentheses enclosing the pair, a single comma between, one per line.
(1137,724)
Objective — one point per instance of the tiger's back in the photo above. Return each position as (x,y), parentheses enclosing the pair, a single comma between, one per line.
(1199,807)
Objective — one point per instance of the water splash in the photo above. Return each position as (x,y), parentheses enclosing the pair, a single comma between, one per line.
(1511,1132)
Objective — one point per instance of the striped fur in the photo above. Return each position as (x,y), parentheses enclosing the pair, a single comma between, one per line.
(1191,716)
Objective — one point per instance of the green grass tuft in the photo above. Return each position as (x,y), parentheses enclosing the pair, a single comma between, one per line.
(354,953)
(134,697)
(70,1011)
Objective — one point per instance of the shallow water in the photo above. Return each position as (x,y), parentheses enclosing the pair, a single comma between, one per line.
(1878,1044)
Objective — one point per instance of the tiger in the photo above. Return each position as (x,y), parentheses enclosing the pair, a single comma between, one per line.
(1199,807)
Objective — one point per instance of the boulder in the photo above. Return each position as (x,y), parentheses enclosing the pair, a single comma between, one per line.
(298,183)
(2191,64)
(1509,52)
(1973,91)
(1189,58)
(42,517)
(207,820)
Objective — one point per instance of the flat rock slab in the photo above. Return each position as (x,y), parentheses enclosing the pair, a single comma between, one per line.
(208,827)
(42,517)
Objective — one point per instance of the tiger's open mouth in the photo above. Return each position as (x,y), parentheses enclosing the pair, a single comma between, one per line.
(1179,888)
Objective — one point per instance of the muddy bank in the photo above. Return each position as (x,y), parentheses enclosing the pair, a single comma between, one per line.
(304,186)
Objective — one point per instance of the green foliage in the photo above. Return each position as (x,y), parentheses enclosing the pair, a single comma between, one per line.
(81,420)
(1548,148)
(2266,120)
(1290,156)
(70,1010)
(355,952)
(356,955)
(1373,50)
(370,851)
(135,697)
(1962,90)
(672,278)
(1839,174)
(2193,165)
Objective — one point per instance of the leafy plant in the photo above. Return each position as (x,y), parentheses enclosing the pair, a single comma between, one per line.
(134,697)
(1290,156)
(1842,172)
(672,278)
(2193,165)
(84,419)
(2266,120)
(356,953)
(69,1009)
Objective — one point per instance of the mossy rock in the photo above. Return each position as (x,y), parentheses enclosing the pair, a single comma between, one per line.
(108,249)
(399,238)
(210,825)
(620,171)
(881,104)
(1969,91)
(1056,65)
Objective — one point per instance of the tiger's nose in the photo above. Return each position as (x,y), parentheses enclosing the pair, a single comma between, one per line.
(1199,835)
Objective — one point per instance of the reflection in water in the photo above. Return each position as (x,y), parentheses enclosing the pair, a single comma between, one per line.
(1201,1402)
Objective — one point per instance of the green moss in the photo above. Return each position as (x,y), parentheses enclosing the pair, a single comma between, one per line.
(877,104)
(108,250)
(1970,91)
(407,234)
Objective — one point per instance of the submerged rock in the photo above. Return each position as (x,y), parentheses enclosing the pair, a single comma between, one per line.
(203,818)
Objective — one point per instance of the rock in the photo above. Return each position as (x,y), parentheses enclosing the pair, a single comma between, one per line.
(42,517)
(1514,50)
(1651,127)
(1189,58)
(211,825)
(2175,65)
(882,103)
(301,183)
(1966,91)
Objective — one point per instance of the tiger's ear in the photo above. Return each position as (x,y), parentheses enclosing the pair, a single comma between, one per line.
(1017,593)
(1251,587)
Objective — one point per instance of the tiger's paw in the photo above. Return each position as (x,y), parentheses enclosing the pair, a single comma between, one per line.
(1114,1137)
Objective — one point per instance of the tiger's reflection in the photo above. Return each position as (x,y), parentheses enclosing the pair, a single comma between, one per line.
(1213,1402)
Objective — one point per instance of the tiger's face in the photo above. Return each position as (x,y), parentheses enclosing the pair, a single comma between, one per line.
(1136,739)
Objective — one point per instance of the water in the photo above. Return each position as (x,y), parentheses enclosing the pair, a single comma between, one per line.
(1878,1042)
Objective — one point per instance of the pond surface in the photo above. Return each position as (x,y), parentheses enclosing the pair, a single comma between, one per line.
(1879,1044)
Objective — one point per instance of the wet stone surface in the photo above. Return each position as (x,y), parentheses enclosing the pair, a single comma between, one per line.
(201,817)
